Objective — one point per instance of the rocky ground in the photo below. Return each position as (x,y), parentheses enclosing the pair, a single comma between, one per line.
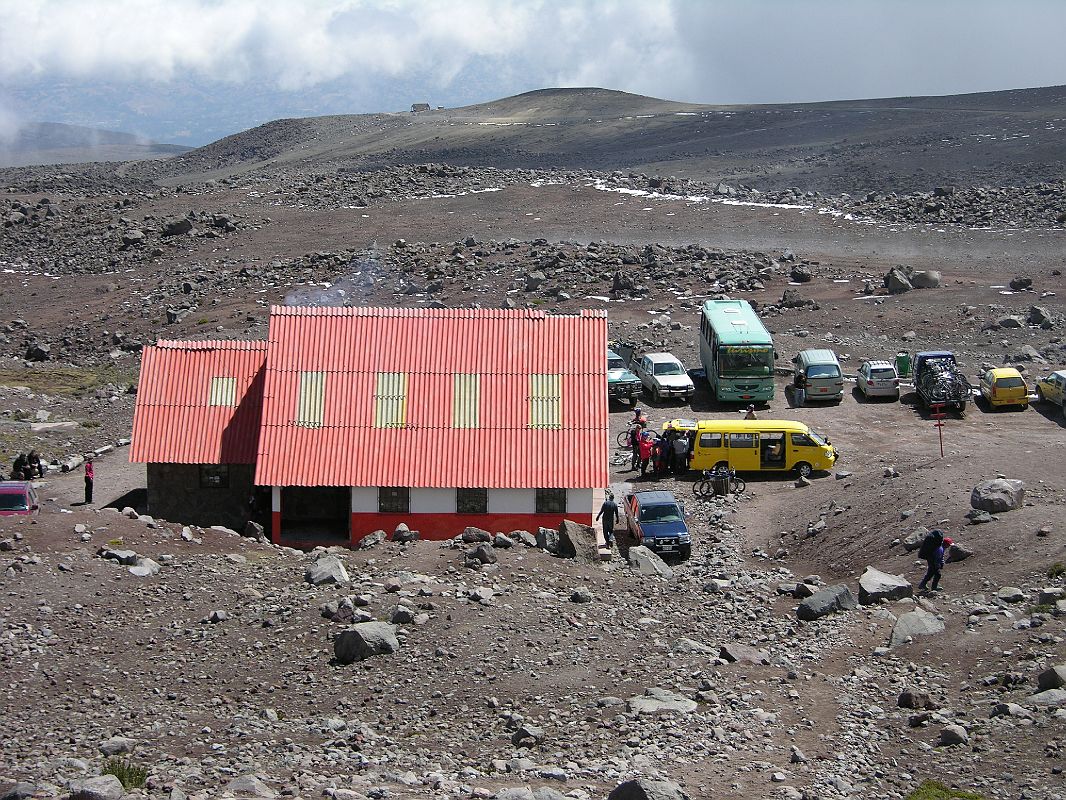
(535,675)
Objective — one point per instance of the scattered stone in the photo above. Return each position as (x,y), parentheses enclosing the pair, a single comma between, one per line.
(913,624)
(365,640)
(102,787)
(660,701)
(116,746)
(647,789)
(250,786)
(647,562)
(825,602)
(581,595)
(876,586)
(998,495)
(372,539)
(744,654)
(952,735)
(472,535)
(1010,594)
(916,699)
(327,570)
(1052,678)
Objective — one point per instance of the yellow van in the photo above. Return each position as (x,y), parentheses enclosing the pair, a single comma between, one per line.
(771,445)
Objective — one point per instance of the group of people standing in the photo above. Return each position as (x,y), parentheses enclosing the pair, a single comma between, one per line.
(664,453)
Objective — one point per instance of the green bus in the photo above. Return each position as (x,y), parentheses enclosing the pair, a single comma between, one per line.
(737,352)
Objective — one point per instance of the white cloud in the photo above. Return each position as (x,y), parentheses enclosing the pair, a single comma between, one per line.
(711,51)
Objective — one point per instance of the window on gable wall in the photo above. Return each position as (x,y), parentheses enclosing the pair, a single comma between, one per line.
(390,400)
(223,392)
(545,401)
(466,396)
(311,399)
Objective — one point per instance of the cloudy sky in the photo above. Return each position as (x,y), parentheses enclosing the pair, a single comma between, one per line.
(190,71)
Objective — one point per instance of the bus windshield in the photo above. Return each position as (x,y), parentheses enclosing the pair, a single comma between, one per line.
(745,361)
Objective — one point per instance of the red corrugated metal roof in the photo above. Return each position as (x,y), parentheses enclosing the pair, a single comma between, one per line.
(173,422)
(504,347)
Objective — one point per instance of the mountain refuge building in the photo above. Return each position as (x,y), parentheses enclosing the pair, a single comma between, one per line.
(349,420)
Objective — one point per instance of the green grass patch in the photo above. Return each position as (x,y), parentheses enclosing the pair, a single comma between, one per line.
(114,542)
(1042,608)
(65,380)
(931,790)
(1057,570)
(129,775)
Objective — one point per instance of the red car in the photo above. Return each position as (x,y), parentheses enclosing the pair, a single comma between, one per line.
(18,498)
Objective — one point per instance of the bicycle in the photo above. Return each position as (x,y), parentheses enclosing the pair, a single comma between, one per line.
(705,486)
(625,438)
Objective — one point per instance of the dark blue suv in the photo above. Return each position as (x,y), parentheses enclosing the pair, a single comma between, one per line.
(657,520)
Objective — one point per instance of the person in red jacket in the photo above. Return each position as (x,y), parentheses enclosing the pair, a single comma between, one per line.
(89,475)
(647,445)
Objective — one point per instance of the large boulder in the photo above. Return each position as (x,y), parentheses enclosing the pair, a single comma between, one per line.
(876,586)
(176,226)
(372,539)
(472,535)
(646,562)
(897,282)
(326,570)
(660,701)
(925,279)
(102,787)
(249,786)
(1049,697)
(1052,678)
(744,654)
(647,789)
(548,539)
(578,542)
(913,624)
(998,495)
(827,601)
(365,640)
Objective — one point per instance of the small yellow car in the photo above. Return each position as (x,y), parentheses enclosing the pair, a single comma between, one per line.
(1004,386)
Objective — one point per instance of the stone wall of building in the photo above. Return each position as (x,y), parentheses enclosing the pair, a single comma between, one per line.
(203,495)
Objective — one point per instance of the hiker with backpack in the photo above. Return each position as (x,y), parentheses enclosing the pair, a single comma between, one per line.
(932,552)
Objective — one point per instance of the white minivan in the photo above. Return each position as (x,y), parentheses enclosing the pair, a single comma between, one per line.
(818,374)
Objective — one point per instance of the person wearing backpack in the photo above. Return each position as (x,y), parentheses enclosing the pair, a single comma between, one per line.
(932,552)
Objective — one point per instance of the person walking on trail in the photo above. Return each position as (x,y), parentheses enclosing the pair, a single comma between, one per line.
(89,475)
(932,552)
(609,514)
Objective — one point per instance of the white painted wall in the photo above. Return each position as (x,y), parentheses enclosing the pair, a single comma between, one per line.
(275,498)
(433,501)
(579,501)
(512,501)
(364,499)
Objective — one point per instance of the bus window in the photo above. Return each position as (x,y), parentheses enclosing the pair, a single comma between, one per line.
(802,440)
(741,440)
(710,440)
